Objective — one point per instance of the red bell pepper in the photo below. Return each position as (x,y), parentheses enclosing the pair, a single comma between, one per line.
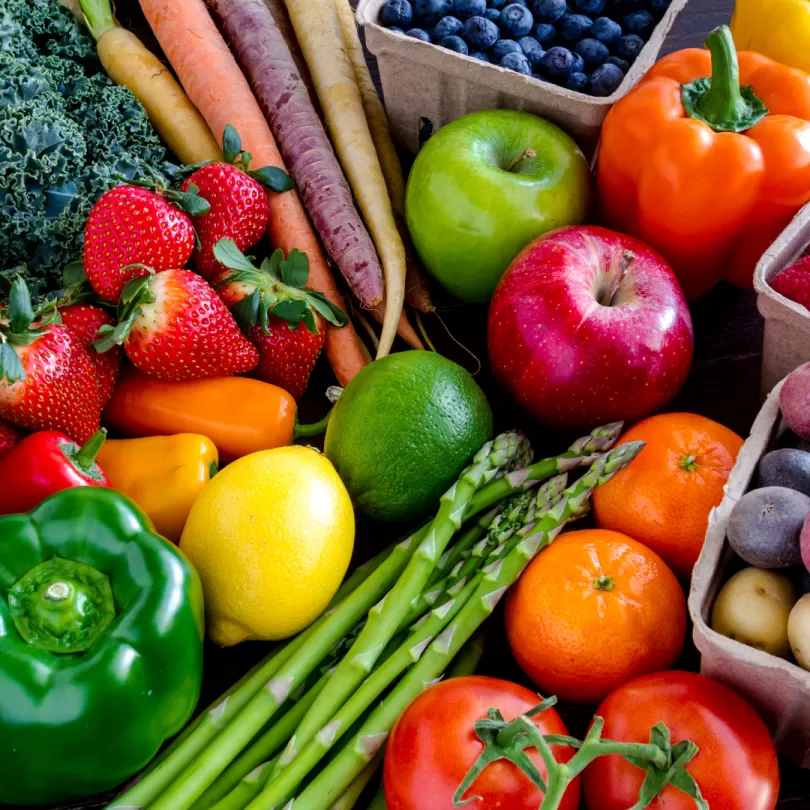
(45,463)
(10,435)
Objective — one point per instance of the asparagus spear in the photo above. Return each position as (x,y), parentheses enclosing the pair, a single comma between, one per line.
(385,618)
(363,746)
(581,453)
(355,790)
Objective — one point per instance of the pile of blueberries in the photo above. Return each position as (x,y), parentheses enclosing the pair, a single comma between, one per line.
(584,45)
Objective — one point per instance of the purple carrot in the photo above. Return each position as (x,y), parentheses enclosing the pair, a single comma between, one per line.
(265,57)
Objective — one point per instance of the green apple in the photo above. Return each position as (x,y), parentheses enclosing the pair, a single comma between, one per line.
(483,187)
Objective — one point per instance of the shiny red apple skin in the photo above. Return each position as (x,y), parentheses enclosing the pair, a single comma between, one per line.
(572,362)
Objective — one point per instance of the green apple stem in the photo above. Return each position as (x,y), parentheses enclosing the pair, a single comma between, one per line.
(627,259)
(527,154)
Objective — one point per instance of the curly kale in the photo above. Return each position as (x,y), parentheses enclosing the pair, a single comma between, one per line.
(67,134)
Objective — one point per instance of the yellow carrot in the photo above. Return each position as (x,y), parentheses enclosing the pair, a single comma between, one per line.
(320,36)
(130,63)
(416,289)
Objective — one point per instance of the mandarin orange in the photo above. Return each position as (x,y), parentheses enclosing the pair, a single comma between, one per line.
(592,611)
(663,499)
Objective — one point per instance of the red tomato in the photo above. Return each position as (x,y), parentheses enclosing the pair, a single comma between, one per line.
(434,745)
(736,767)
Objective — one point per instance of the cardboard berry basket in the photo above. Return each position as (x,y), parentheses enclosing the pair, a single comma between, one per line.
(427,85)
(778,689)
(787,324)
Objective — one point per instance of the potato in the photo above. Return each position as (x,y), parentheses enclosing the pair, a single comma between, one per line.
(804,544)
(753,607)
(785,468)
(765,525)
(794,400)
(798,630)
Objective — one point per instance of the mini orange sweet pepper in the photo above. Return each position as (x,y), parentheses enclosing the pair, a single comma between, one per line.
(707,160)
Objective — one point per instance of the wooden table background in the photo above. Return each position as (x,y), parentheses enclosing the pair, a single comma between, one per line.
(723,385)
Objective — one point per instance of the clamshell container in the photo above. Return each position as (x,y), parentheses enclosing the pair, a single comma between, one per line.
(778,689)
(426,86)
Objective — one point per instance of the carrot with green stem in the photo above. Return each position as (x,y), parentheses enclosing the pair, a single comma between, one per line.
(215,84)
(130,63)
(260,49)
(416,289)
(320,36)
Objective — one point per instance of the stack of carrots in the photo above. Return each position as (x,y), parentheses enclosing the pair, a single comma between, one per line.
(284,67)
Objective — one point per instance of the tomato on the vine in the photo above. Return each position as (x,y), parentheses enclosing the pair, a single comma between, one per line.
(434,745)
(735,768)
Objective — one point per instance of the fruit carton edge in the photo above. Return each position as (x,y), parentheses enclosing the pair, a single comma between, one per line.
(422,82)
(778,689)
(786,344)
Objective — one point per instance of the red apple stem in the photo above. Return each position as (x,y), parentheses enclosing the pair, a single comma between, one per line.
(627,259)
(529,153)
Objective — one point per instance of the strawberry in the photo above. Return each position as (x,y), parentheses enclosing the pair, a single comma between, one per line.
(239,207)
(131,229)
(173,326)
(85,320)
(47,379)
(9,436)
(270,304)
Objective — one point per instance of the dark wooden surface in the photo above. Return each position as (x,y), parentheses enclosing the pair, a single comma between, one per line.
(723,385)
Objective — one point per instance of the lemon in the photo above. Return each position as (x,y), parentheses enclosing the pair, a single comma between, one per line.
(271,537)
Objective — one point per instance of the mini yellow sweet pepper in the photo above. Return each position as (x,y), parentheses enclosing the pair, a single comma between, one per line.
(779,29)
(162,474)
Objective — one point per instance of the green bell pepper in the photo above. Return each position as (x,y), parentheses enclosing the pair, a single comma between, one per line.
(101,631)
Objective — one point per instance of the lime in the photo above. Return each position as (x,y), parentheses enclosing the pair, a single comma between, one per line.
(403,430)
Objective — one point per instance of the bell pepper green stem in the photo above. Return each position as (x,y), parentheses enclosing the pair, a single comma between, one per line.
(86,457)
(720,101)
(315,429)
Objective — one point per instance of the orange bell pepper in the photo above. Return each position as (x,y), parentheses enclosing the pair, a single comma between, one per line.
(239,415)
(705,170)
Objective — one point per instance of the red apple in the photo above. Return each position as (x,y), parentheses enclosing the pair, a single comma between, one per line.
(589,326)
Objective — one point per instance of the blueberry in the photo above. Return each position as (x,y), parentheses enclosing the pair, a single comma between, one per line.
(639,22)
(464,9)
(629,47)
(429,12)
(492,14)
(548,11)
(592,51)
(480,56)
(605,80)
(579,64)
(516,21)
(503,47)
(480,33)
(521,2)
(532,51)
(517,62)
(574,27)
(591,6)
(396,12)
(622,64)
(577,81)
(606,30)
(544,33)
(499,4)
(446,27)
(418,33)
(557,63)
(453,43)
(658,7)
(396,29)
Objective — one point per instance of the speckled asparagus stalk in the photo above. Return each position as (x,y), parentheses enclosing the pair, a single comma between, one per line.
(581,453)
(386,617)
(210,763)
(363,746)
(209,723)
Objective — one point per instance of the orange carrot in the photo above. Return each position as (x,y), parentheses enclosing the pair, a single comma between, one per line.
(215,84)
